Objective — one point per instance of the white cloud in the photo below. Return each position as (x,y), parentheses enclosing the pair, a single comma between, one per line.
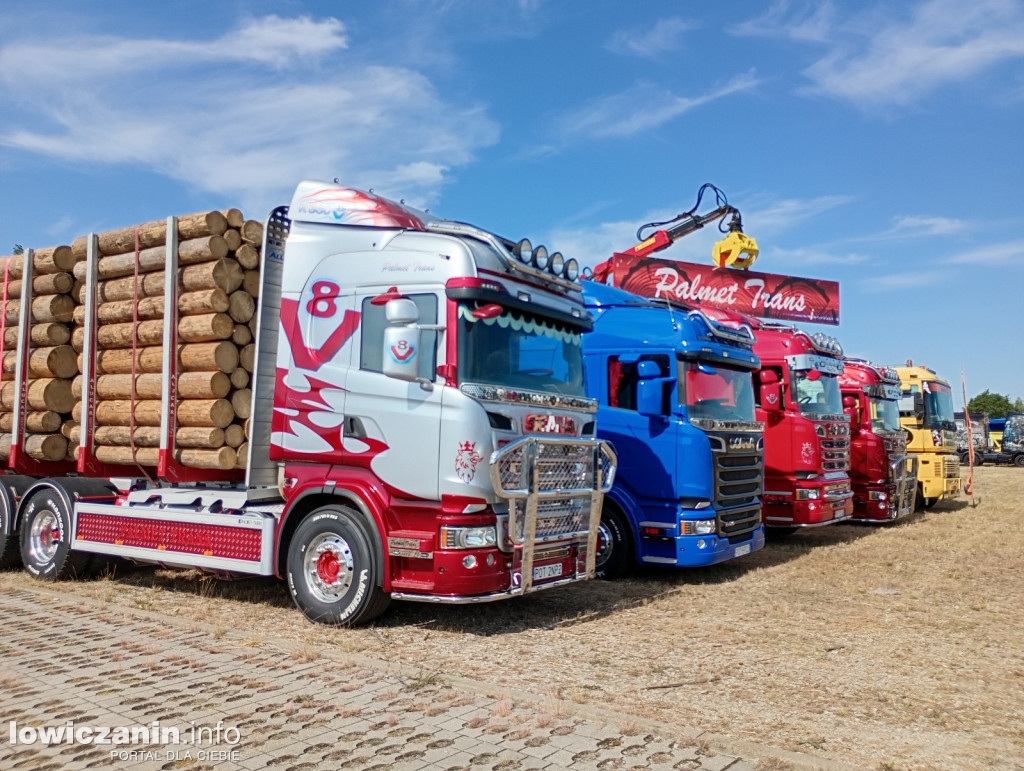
(246,115)
(805,21)
(664,35)
(1001,253)
(885,57)
(616,115)
(784,214)
(928,226)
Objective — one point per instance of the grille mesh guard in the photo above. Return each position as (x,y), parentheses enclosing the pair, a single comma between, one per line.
(554,487)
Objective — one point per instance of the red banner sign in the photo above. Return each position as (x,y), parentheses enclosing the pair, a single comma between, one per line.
(764,295)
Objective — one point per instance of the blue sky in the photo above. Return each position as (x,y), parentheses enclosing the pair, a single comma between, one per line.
(877,144)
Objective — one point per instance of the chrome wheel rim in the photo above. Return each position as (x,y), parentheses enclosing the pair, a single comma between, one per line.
(329,567)
(605,545)
(44,536)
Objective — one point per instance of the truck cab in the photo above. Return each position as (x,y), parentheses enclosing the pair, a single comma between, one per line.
(807,434)
(675,397)
(883,476)
(926,413)
(1010,445)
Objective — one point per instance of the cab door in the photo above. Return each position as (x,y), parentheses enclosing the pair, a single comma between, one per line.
(393,427)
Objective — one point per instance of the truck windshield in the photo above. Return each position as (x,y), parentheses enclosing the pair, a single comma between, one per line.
(520,351)
(816,393)
(938,406)
(885,414)
(716,392)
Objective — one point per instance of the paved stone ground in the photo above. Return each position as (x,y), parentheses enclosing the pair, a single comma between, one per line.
(294,708)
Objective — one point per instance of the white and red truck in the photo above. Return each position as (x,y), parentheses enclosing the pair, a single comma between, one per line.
(419,428)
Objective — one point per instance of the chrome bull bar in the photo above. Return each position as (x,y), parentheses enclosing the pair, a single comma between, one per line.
(903,475)
(540,471)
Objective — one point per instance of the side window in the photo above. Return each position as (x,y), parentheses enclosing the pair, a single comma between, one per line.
(623,379)
(372,327)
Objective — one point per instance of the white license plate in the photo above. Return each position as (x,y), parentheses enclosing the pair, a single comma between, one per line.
(547,571)
(742,549)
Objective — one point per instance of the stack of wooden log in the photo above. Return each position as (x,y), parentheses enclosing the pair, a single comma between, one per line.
(218,258)
(52,362)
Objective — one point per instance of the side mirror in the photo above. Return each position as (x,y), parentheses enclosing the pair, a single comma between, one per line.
(919,403)
(401,311)
(400,358)
(401,353)
(649,388)
(771,397)
(850,408)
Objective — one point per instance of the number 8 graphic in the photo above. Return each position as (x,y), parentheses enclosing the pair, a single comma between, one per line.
(323,304)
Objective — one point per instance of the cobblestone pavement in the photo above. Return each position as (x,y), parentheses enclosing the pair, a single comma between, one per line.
(282,706)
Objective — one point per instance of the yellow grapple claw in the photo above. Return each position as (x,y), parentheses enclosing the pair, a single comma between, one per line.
(736,250)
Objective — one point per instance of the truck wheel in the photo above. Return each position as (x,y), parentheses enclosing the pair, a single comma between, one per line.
(612,559)
(331,569)
(46,538)
(1019,461)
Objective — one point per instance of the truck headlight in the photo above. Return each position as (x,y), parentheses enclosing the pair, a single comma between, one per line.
(808,495)
(878,495)
(454,537)
(699,526)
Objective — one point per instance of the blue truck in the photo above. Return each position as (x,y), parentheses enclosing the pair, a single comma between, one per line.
(675,396)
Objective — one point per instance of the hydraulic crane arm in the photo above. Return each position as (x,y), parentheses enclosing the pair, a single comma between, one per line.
(735,250)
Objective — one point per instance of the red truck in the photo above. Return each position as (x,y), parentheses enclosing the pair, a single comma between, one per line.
(884,476)
(806,435)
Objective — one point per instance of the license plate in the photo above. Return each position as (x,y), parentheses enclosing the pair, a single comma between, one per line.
(547,571)
(741,550)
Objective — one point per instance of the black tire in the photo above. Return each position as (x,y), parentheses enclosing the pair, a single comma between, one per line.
(773,531)
(10,554)
(1018,461)
(614,545)
(46,538)
(332,569)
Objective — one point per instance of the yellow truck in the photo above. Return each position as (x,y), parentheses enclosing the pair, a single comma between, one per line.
(926,412)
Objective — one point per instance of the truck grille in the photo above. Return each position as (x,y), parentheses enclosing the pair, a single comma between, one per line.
(835,447)
(559,468)
(737,524)
(556,519)
(739,477)
(950,466)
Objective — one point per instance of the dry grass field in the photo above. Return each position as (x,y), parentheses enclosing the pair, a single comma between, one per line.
(896,647)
